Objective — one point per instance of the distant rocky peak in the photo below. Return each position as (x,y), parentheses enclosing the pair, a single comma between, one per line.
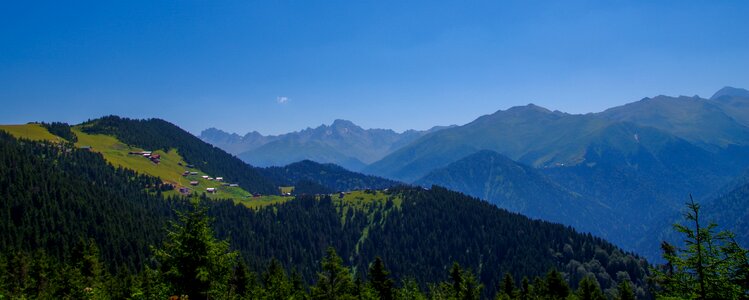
(528,108)
(340,123)
(217,134)
(730,92)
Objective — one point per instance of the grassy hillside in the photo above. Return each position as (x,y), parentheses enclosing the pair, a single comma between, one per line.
(156,134)
(169,169)
(35,132)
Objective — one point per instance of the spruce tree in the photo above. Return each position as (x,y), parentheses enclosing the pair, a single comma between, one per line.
(192,260)
(556,286)
(380,279)
(335,280)
(588,289)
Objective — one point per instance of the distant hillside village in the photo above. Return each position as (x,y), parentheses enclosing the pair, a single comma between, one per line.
(156,159)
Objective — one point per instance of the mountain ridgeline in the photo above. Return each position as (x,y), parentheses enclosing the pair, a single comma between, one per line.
(637,162)
(519,188)
(329,178)
(342,143)
(160,134)
(53,207)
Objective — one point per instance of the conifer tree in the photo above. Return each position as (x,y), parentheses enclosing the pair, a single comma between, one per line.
(380,279)
(335,280)
(192,260)
(588,289)
(508,285)
(711,266)
(556,286)
(624,291)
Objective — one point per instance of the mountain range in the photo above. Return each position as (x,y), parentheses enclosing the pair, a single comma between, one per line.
(342,143)
(615,173)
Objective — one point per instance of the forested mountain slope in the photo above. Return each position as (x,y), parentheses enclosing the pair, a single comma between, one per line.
(331,177)
(160,134)
(510,185)
(418,232)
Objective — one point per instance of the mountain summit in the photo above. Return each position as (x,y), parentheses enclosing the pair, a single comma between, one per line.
(342,142)
(730,92)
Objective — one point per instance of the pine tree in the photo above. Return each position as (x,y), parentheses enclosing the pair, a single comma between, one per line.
(335,280)
(380,279)
(192,260)
(712,266)
(456,275)
(239,283)
(556,286)
(624,291)
(277,284)
(525,289)
(588,289)
(508,285)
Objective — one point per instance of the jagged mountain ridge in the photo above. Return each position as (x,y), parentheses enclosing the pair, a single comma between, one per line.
(343,143)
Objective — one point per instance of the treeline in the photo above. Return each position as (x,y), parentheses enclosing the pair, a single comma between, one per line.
(193,264)
(153,134)
(62,130)
(325,178)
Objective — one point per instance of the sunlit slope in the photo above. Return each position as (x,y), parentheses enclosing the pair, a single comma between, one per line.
(117,153)
(34,132)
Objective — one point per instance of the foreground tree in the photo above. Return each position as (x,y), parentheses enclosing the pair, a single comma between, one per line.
(711,266)
(588,289)
(380,279)
(335,280)
(192,261)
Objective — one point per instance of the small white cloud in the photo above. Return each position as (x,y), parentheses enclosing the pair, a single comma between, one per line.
(282,100)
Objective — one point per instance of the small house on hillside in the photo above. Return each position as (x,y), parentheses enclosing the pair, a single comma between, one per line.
(211,190)
(219,178)
(193,183)
(184,190)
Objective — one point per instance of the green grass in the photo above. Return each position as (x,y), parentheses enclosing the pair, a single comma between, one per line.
(169,169)
(368,202)
(362,200)
(34,132)
(263,201)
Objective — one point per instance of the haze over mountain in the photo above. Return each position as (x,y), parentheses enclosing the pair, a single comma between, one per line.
(635,162)
(342,143)
(503,182)
(639,160)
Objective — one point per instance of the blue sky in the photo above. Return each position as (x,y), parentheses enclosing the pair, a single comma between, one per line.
(279,66)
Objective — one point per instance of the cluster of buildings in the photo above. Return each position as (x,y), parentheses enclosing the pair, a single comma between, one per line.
(155,158)
(211,190)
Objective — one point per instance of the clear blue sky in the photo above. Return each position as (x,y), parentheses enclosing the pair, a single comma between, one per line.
(278,66)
